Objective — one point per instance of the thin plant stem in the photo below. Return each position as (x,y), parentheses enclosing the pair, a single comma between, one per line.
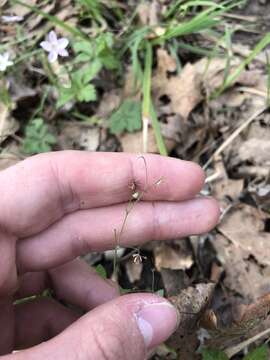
(147,81)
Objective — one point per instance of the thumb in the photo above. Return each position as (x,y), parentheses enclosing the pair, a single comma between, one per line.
(125,328)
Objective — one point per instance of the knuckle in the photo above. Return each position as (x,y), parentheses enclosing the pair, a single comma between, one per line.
(67,198)
(156,228)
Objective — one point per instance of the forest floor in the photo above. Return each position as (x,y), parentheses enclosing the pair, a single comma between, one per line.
(199,73)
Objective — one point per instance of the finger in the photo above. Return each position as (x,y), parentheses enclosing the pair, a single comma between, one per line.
(8,273)
(123,329)
(45,187)
(32,283)
(75,283)
(93,230)
(7,326)
(40,320)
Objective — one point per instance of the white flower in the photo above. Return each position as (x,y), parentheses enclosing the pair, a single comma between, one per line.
(5,62)
(55,47)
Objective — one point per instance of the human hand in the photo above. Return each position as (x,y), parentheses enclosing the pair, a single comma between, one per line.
(55,207)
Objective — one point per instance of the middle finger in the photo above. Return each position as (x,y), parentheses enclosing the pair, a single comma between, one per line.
(93,230)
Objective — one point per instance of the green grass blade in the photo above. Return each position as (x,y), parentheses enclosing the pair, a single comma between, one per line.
(258,48)
(147,106)
(204,20)
(156,126)
(147,80)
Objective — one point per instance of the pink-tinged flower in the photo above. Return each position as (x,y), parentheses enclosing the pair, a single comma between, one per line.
(55,47)
(5,62)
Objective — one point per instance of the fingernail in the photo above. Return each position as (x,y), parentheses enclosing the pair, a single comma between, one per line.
(157,322)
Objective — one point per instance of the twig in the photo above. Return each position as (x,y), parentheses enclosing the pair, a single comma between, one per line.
(230,352)
(234,135)
(253,91)
(216,176)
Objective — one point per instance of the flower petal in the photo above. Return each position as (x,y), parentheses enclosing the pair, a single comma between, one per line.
(52,37)
(46,45)
(6,56)
(53,55)
(62,43)
(63,52)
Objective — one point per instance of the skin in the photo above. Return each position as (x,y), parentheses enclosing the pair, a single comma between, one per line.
(55,207)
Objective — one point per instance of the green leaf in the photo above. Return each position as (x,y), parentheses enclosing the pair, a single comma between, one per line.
(160,292)
(65,95)
(125,291)
(214,355)
(49,139)
(104,42)
(109,61)
(82,58)
(127,117)
(37,139)
(88,93)
(91,71)
(101,271)
(261,353)
(83,47)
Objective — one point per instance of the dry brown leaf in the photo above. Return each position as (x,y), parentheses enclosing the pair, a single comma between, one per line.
(191,303)
(148,12)
(10,155)
(8,125)
(111,101)
(248,156)
(7,160)
(244,253)
(134,270)
(90,139)
(255,150)
(172,256)
(143,10)
(35,19)
(254,313)
(248,321)
(174,281)
(186,90)
(225,190)
(79,136)
(133,142)
(244,226)
(20,10)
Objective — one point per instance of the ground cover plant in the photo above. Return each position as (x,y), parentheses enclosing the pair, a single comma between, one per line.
(183,78)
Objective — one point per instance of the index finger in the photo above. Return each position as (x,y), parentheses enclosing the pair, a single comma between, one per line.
(40,190)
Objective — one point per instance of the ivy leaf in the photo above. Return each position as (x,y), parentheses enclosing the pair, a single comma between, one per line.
(127,117)
(261,353)
(214,355)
